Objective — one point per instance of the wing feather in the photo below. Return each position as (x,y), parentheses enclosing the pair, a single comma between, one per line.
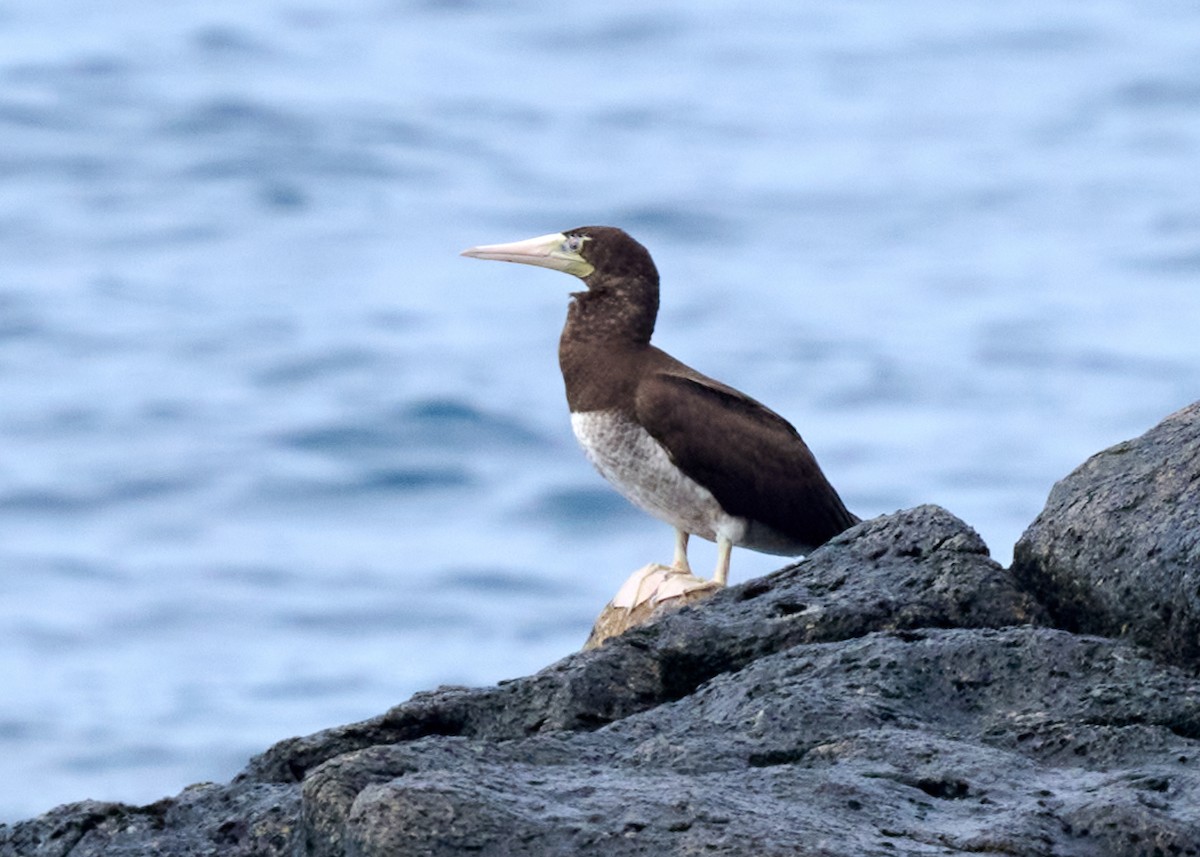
(751,459)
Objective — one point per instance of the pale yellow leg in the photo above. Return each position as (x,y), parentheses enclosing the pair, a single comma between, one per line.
(681,561)
(724,549)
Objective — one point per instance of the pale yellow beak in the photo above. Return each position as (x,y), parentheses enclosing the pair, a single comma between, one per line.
(545,251)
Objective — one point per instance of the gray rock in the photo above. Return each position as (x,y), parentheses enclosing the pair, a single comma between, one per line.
(242,820)
(886,696)
(916,569)
(1020,741)
(1116,551)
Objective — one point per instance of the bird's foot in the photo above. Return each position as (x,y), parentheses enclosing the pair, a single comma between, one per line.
(649,592)
(680,562)
(655,583)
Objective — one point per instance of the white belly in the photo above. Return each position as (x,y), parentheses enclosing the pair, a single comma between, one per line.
(633,461)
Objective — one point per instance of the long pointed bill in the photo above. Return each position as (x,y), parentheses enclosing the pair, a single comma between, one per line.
(545,251)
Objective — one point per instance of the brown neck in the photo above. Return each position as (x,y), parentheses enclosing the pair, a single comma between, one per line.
(619,311)
(607,328)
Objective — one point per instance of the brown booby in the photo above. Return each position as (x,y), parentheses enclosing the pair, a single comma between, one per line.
(696,453)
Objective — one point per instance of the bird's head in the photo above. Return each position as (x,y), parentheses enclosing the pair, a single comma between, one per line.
(595,254)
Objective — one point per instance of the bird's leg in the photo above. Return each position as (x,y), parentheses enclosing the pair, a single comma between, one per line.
(724,549)
(681,561)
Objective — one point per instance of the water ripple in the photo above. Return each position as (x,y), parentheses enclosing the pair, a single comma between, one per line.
(429,424)
(76,499)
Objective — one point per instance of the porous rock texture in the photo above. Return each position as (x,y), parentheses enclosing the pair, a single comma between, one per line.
(1116,551)
(898,693)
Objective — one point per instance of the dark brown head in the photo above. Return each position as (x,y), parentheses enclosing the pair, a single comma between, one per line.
(613,254)
(621,301)
(595,254)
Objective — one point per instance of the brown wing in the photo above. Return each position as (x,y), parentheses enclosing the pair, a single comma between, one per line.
(752,460)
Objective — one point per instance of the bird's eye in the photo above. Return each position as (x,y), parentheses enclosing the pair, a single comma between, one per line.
(573,243)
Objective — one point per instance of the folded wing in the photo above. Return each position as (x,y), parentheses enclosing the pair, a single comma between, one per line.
(751,459)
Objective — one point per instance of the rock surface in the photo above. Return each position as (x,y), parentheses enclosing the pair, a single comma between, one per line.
(1116,551)
(897,693)
(1020,741)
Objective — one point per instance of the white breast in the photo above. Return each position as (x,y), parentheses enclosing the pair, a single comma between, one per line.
(633,461)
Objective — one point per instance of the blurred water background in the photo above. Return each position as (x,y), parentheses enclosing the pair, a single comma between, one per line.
(273,457)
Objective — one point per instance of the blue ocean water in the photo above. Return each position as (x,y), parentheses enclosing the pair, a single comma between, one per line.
(274,457)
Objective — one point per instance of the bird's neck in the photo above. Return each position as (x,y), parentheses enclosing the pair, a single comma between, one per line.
(617,312)
(607,326)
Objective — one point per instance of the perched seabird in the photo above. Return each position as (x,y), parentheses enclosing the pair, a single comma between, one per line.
(696,453)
